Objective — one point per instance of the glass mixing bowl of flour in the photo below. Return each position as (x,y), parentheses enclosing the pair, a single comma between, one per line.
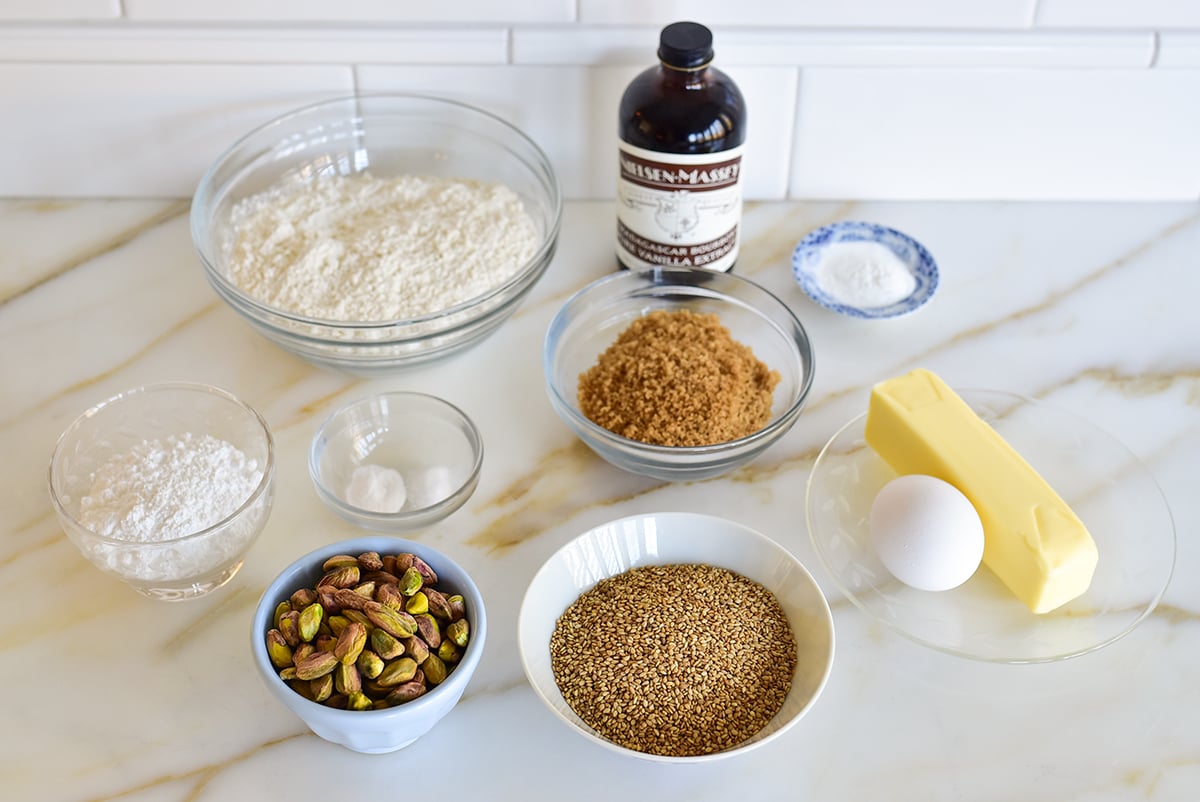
(166,486)
(373,232)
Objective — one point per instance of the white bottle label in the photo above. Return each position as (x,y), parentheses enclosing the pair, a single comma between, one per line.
(676,210)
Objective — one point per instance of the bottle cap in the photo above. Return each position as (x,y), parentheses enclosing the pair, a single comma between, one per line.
(685,45)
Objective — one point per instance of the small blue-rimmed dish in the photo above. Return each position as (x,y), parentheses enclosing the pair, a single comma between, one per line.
(808,256)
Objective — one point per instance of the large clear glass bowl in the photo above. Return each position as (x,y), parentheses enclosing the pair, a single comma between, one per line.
(389,135)
(184,567)
(591,319)
(1108,487)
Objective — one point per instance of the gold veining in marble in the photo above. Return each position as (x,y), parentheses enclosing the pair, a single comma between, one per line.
(775,245)
(1057,296)
(119,240)
(13,555)
(1147,779)
(552,503)
(201,775)
(151,344)
(760,471)
(46,205)
(240,600)
(1175,615)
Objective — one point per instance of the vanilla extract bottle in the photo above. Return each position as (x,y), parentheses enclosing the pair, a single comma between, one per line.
(682,130)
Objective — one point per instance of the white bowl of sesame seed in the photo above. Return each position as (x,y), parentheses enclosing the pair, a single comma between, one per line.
(676,637)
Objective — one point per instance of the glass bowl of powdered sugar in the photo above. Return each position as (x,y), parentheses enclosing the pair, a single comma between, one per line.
(374,232)
(396,461)
(166,486)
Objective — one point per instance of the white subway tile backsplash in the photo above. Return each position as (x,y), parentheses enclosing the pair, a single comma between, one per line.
(1177,49)
(997,134)
(586,44)
(346,11)
(11,10)
(937,48)
(943,14)
(557,108)
(889,99)
(849,48)
(572,113)
(295,44)
(1139,14)
(117,129)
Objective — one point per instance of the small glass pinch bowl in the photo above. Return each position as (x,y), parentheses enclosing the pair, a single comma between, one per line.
(193,564)
(593,318)
(1111,491)
(666,538)
(432,444)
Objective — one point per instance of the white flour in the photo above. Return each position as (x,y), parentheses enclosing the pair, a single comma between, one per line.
(368,249)
(864,274)
(160,490)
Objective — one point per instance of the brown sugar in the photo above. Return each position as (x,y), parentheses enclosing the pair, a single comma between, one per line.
(678,378)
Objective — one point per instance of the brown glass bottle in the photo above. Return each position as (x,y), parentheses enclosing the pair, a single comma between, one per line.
(682,127)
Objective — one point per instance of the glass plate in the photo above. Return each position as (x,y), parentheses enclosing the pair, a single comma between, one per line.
(1107,486)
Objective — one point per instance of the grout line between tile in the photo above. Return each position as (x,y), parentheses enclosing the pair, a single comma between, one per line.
(1155,48)
(793,128)
(1033,14)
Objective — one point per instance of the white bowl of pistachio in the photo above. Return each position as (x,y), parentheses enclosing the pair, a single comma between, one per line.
(371,641)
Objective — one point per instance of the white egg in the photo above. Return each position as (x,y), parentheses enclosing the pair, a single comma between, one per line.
(926,532)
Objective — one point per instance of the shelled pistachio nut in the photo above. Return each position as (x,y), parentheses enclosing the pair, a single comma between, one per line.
(374,632)
(385,645)
(350,643)
(397,671)
(396,623)
(317,664)
(458,631)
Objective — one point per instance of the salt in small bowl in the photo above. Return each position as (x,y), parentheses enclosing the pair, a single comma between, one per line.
(809,254)
(432,444)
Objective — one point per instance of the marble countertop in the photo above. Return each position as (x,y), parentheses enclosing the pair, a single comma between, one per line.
(111,696)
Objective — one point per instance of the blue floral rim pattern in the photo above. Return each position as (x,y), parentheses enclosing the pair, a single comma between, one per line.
(808,254)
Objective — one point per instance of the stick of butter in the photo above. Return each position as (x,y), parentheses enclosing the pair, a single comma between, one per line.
(1033,541)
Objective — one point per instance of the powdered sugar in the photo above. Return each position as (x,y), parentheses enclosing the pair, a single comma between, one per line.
(163,489)
(366,249)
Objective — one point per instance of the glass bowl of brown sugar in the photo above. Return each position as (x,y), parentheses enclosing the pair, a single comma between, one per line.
(677,373)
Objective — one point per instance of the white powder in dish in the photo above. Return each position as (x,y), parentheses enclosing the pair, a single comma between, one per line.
(148,497)
(366,249)
(379,489)
(163,489)
(430,485)
(376,489)
(865,275)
